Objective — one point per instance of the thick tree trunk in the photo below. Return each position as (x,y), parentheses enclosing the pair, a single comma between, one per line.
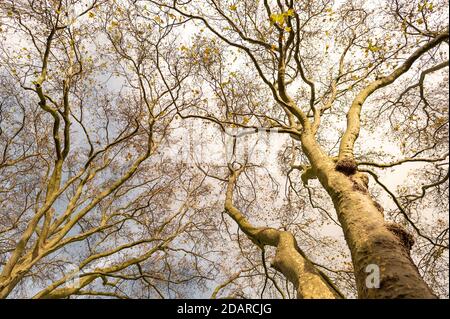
(370,239)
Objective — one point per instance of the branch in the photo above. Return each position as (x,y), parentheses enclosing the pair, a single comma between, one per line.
(353,115)
(405,160)
(289,259)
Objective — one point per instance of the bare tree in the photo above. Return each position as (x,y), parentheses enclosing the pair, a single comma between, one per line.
(84,188)
(319,61)
(99,197)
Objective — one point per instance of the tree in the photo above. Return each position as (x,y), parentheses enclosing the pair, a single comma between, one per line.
(98,200)
(84,191)
(277,41)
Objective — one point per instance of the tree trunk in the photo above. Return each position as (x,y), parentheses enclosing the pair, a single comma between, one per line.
(372,242)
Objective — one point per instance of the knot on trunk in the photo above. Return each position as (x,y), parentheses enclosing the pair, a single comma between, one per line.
(308,173)
(406,238)
(346,165)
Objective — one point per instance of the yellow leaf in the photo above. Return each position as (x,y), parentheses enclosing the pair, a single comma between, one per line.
(233,8)
(373,48)
(277,18)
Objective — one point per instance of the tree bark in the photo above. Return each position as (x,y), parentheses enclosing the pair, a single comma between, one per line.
(370,239)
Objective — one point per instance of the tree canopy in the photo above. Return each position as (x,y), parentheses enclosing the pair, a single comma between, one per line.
(223,148)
